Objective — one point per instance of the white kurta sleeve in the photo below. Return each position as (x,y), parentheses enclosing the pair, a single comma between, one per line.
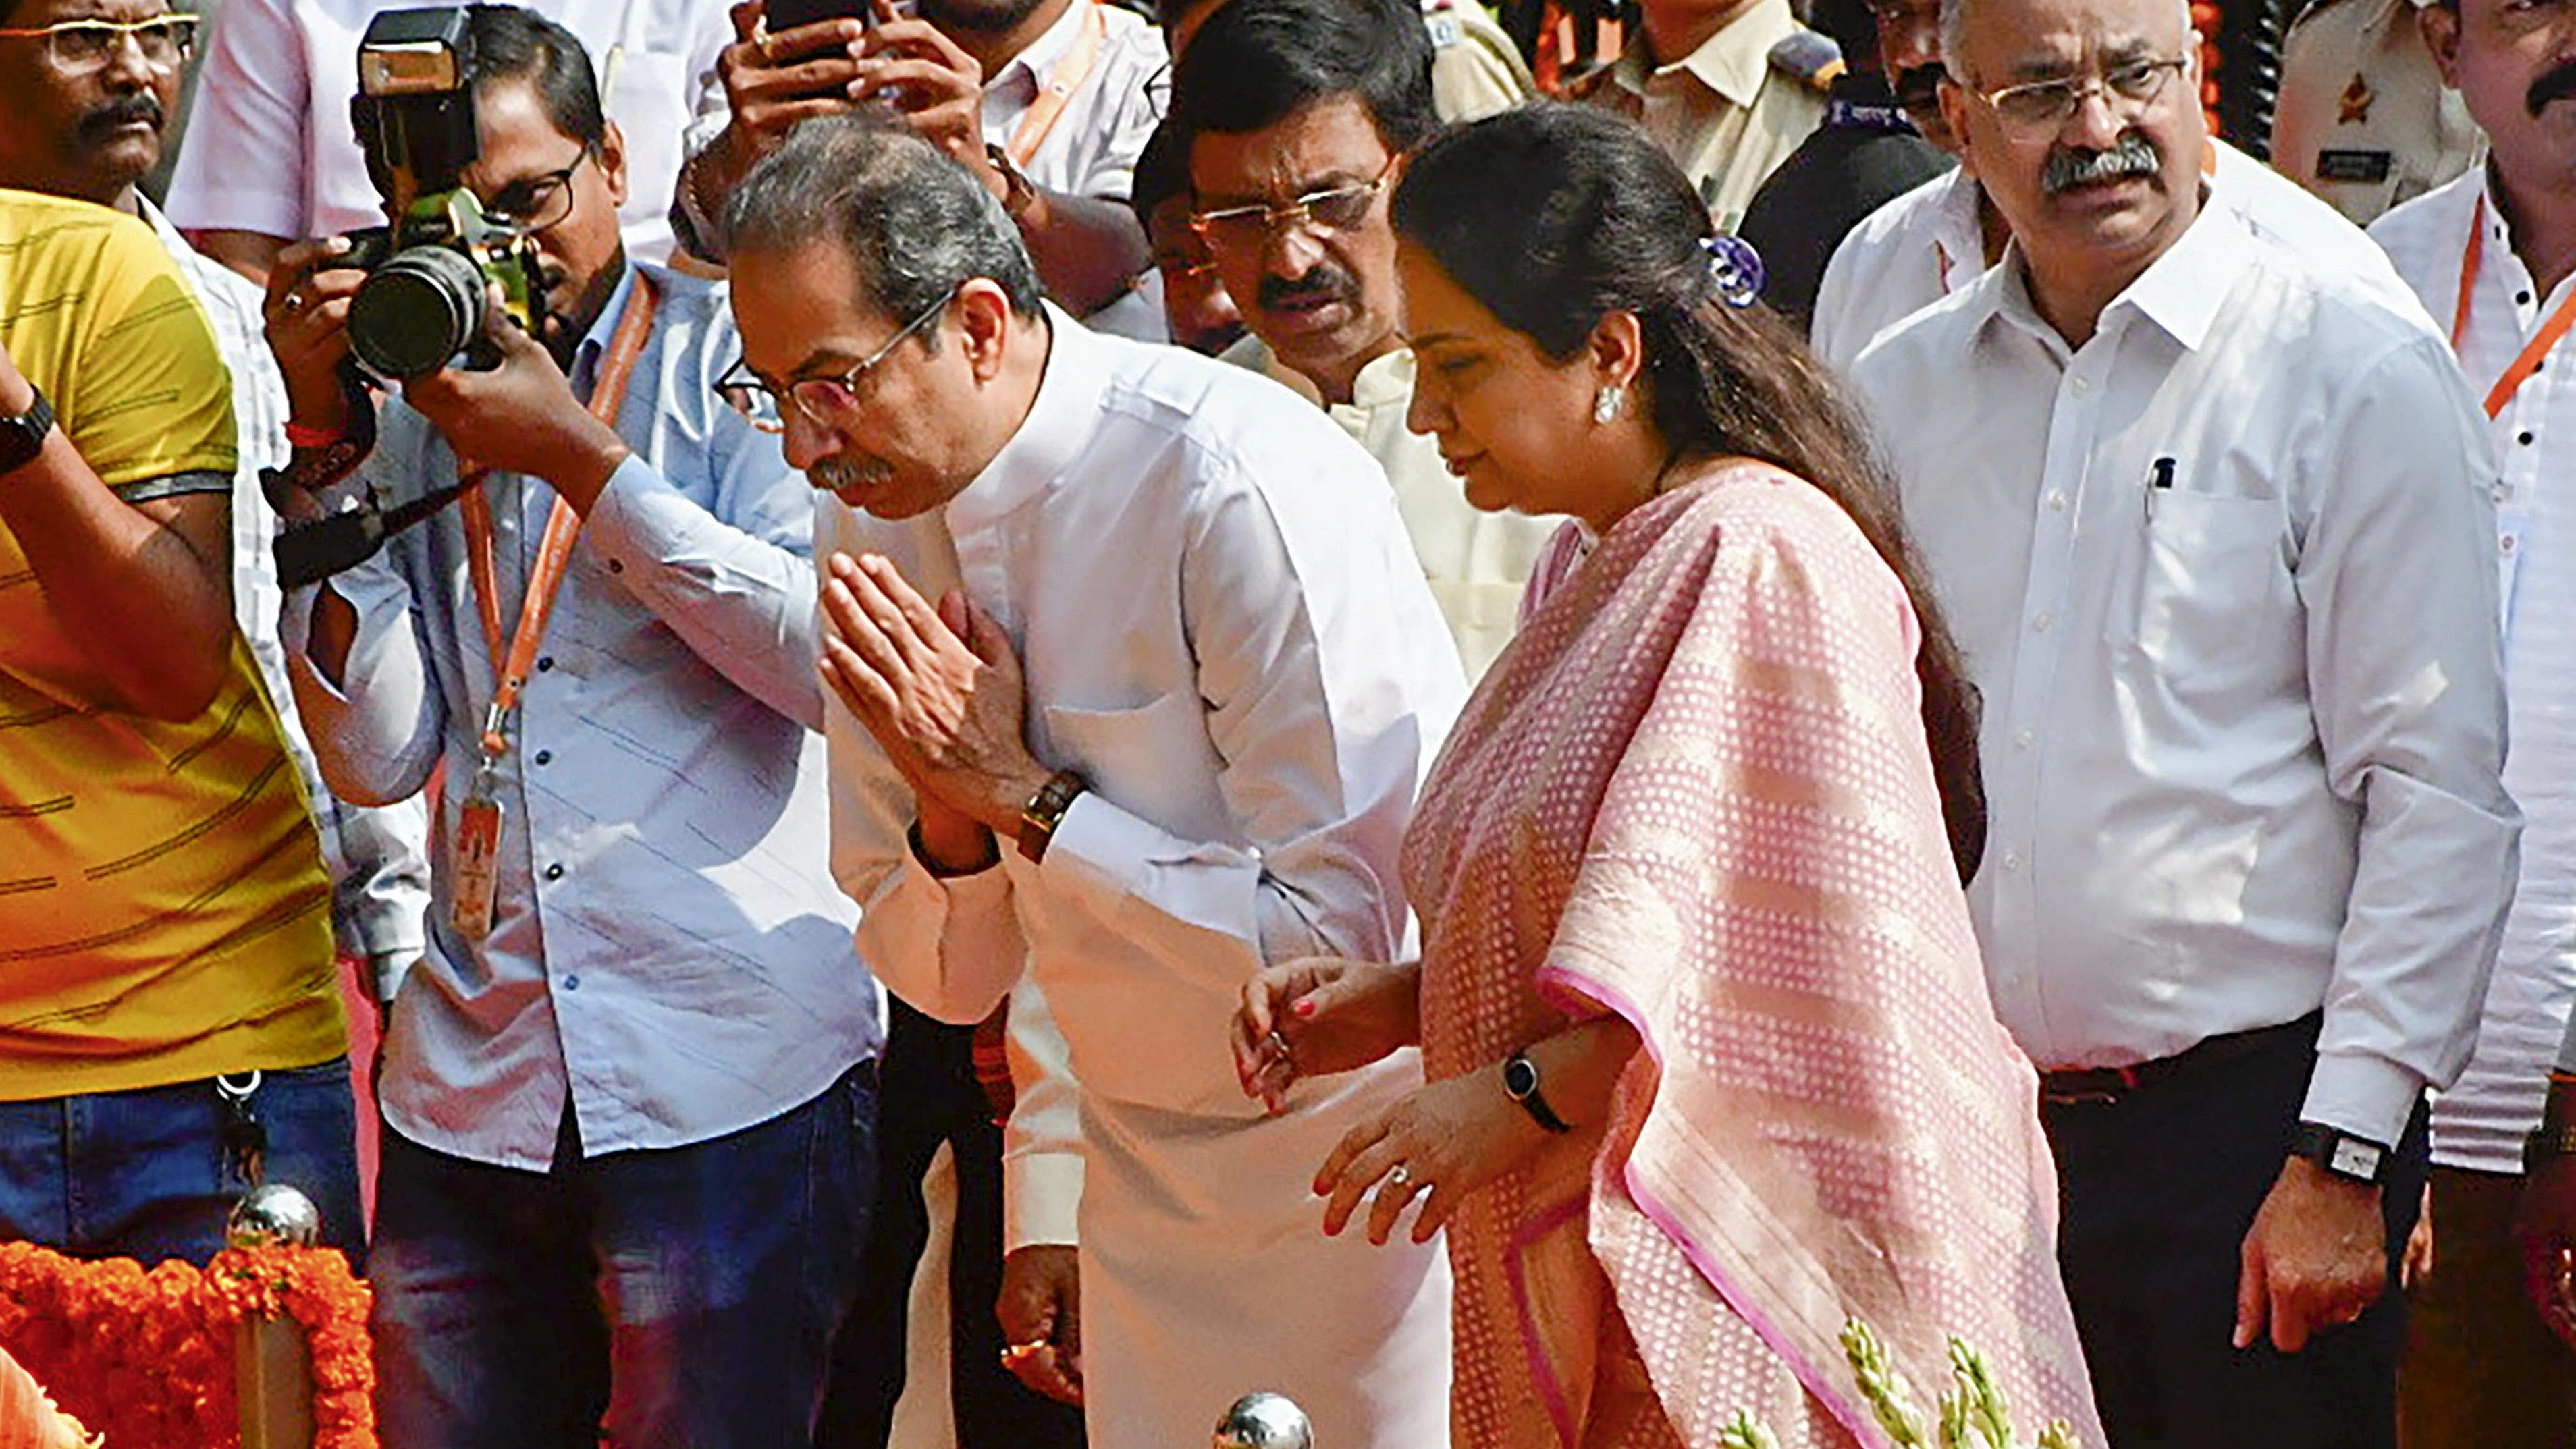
(2407,686)
(376,733)
(1042,1143)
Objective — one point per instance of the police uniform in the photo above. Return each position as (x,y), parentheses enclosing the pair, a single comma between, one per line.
(1476,71)
(2364,119)
(1731,111)
(1865,155)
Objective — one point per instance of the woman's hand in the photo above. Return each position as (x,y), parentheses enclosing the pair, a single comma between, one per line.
(1319,1015)
(1440,1143)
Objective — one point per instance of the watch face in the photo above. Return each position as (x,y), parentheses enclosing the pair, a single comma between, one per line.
(1520,1078)
(2354,1158)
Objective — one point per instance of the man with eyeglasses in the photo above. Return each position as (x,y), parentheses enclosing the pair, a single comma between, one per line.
(94,83)
(1295,116)
(2212,523)
(1939,237)
(1134,679)
(629,1091)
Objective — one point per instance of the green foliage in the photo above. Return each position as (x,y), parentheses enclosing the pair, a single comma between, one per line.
(1972,1414)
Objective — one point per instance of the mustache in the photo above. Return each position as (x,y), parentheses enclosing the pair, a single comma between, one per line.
(2558,85)
(1323,282)
(140,106)
(2069,167)
(1919,86)
(834,474)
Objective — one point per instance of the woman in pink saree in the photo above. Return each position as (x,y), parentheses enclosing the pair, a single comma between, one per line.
(1711,1065)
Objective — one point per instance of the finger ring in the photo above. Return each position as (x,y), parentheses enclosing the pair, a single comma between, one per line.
(1399,1175)
(1277,1045)
(293,304)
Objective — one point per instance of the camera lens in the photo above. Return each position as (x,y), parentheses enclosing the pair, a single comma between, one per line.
(416,311)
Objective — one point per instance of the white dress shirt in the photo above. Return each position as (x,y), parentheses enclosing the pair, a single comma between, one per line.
(1224,629)
(2225,577)
(377,857)
(666,943)
(1926,244)
(2479,1122)
(269,146)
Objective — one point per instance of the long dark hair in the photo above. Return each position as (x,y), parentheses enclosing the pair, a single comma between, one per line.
(1554,216)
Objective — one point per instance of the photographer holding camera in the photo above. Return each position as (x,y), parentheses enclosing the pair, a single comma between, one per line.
(629,1091)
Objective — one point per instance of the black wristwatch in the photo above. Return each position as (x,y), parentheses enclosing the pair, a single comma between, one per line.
(2354,1159)
(1520,1083)
(23,437)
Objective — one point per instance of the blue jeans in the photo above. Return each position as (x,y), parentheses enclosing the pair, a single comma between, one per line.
(676,1299)
(143,1174)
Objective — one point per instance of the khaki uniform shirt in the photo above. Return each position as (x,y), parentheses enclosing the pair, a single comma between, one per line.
(1725,112)
(2365,121)
(1476,71)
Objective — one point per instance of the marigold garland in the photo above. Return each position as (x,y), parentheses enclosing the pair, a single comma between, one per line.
(146,1358)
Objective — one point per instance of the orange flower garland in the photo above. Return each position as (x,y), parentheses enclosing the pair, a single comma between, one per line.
(146,1358)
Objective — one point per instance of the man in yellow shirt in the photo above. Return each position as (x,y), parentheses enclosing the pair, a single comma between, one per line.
(170,1027)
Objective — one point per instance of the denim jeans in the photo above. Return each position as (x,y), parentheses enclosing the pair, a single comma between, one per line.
(143,1174)
(678,1299)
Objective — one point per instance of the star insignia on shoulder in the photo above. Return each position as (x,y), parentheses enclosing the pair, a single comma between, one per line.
(2357,97)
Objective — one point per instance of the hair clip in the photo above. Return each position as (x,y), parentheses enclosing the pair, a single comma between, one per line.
(1735,267)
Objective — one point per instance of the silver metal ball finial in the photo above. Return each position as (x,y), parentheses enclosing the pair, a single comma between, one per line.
(1264,1421)
(274,1216)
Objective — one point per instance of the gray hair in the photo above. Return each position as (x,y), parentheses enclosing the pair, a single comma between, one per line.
(917,224)
(1954,36)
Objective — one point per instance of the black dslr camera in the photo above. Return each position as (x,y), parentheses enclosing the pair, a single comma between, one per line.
(424,299)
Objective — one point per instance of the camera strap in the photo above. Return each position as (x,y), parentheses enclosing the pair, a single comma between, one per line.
(478,827)
(1062,80)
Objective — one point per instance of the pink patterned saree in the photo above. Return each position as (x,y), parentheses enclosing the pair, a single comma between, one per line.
(1695,791)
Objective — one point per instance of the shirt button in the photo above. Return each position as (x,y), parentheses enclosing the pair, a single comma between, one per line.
(2082,384)
(2039,623)
(545,757)
(546,664)
(2058,500)
(2523,438)
(616,566)
(554,872)
(2508,543)
(2012,861)
(2024,739)
(572,982)
(2523,297)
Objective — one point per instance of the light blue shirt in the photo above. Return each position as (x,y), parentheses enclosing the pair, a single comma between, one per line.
(667,943)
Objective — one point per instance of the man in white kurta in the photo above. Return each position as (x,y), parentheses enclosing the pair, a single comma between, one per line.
(1193,599)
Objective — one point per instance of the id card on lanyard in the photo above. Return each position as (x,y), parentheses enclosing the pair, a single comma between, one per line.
(476,857)
(2513,512)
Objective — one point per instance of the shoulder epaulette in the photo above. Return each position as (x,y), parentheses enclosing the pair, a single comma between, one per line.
(1809,58)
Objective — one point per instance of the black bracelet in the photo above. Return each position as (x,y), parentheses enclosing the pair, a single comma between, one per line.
(921,853)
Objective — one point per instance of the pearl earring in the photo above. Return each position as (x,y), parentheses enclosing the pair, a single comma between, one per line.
(1606,405)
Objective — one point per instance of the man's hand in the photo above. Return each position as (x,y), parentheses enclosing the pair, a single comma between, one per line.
(521,417)
(307,314)
(2317,1257)
(933,84)
(2545,1223)
(939,689)
(1041,1312)
(772,82)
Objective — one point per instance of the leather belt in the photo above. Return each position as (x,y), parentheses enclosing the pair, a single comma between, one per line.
(2108,1086)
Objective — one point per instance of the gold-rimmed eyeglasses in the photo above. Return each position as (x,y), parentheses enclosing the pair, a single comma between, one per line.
(1335,208)
(78,47)
(820,399)
(2043,106)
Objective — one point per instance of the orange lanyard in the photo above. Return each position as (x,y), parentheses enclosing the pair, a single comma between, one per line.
(2533,351)
(510,678)
(1062,80)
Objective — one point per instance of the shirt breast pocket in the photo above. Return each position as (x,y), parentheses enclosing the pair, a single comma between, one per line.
(1153,761)
(2214,587)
